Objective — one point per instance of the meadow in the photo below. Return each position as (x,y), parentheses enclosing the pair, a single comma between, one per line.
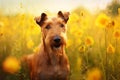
(93,45)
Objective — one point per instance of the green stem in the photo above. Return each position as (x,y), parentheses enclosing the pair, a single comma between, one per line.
(106,54)
(101,57)
(116,46)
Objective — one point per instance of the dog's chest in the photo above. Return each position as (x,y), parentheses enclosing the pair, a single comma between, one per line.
(53,73)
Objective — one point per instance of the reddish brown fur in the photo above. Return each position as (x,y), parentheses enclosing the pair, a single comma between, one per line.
(50,63)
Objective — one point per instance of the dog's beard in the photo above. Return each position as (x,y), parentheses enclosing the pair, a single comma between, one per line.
(54,47)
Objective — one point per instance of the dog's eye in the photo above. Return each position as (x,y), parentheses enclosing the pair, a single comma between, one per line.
(48,27)
(61,25)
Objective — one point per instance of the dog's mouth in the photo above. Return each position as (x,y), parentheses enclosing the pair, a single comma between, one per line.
(57,45)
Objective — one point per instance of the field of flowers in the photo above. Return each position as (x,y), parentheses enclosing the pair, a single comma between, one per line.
(93,45)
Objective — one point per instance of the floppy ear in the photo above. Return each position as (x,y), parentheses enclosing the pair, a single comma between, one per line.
(64,16)
(40,20)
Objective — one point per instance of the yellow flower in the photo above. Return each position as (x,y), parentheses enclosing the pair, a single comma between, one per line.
(89,41)
(11,65)
(30,44)
(36,49)
(82,13)
(110,25)
(74,18)
(94,74)
(1,34)
(79,32)
(117,34)
(1,24)
(102,20)
(110,49)
(74,28)
(82,48)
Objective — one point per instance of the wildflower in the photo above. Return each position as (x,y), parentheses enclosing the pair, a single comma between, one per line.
(11,65)
(30,44)
(36,49)
(94,74)
(89,41)
(74,29)
(1,24)
(74,18)
(110,49)
(79,32)
(117,34)
(110,25)
(1,34)
(102,20)
(82,13)
(82,48)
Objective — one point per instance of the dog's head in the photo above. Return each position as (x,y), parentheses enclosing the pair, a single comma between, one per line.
(53,29)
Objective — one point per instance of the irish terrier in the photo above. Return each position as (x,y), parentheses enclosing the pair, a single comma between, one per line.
(50,62)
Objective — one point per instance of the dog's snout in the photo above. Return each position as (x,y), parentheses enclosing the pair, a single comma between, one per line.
(57,39)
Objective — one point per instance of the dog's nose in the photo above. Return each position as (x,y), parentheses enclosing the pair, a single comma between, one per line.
(57,39)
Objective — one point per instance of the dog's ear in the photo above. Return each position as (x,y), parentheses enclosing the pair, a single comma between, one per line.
(64,16)
(40,20)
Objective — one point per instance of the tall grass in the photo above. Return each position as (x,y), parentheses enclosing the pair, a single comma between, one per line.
(92,48)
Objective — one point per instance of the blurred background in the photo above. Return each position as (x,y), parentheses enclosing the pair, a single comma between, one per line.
(93,36)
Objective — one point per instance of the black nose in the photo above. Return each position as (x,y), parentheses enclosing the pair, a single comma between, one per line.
(57,39)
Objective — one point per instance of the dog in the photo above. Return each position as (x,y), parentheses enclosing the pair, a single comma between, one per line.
(50,62)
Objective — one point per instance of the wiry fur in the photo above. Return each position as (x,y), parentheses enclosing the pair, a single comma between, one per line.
(50,63)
